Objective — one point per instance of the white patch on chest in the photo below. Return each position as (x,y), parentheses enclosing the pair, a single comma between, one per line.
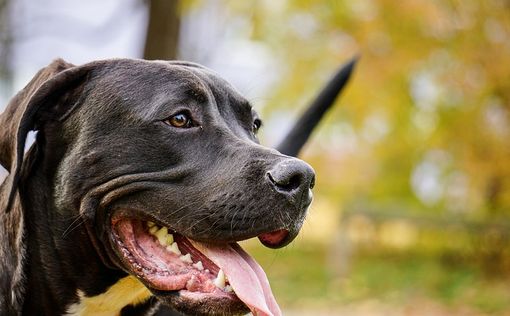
(127,291)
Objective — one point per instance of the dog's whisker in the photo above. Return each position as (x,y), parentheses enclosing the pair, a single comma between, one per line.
(207,216)
(244,217)
(167,216)
(233,222)
(283,220)
(212,227)
(185,216)
(253,223)
(77,222)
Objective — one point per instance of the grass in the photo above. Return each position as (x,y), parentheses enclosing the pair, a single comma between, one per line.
(305,276)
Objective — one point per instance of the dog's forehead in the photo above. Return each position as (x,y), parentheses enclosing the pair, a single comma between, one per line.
(161,82)
(221,90)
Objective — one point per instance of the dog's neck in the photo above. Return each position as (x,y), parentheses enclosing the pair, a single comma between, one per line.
(62,267)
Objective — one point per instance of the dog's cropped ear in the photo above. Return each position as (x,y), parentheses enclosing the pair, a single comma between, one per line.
(45,93)
(296,138)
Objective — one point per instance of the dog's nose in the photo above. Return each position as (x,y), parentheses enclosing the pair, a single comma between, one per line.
(293,178)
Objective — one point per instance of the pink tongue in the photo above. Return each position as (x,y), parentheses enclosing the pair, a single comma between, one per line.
(244,275)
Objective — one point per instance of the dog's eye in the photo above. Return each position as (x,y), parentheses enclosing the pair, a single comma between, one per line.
(257,123)
(180,120)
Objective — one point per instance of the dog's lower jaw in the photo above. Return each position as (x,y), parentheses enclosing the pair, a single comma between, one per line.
(194,277)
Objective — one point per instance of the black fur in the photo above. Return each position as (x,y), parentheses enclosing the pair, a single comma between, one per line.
(104,147)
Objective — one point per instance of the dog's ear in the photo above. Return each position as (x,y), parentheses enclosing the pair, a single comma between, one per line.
(296,138)
(45,94)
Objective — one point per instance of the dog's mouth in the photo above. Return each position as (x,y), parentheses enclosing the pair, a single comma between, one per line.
(193,276)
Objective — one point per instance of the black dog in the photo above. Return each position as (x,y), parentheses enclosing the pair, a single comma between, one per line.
(142,177)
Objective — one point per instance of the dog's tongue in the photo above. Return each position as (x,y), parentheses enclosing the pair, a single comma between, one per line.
(244,275)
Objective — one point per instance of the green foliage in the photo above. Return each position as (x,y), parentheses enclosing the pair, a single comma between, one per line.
(424,126)
(434,79)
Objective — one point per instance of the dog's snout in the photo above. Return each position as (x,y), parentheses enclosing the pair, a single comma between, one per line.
(292,177)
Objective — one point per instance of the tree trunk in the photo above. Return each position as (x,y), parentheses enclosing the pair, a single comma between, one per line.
(163,30)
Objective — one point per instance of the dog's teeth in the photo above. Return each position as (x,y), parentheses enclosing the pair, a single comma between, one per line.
(174,248)
(150,224)
(199,265)
(228,289)
(161,235)
(169,239)
(207,271)
(220,280)
(163,231)
(186,258)
(153,230)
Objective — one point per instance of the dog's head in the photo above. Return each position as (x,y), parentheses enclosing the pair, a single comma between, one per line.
(161,162)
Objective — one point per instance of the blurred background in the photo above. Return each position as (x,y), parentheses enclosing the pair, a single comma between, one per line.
(412,203)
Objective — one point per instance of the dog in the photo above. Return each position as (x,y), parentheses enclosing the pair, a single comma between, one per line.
(142,178)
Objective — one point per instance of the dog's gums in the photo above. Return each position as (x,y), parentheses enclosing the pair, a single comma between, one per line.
(170,264)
